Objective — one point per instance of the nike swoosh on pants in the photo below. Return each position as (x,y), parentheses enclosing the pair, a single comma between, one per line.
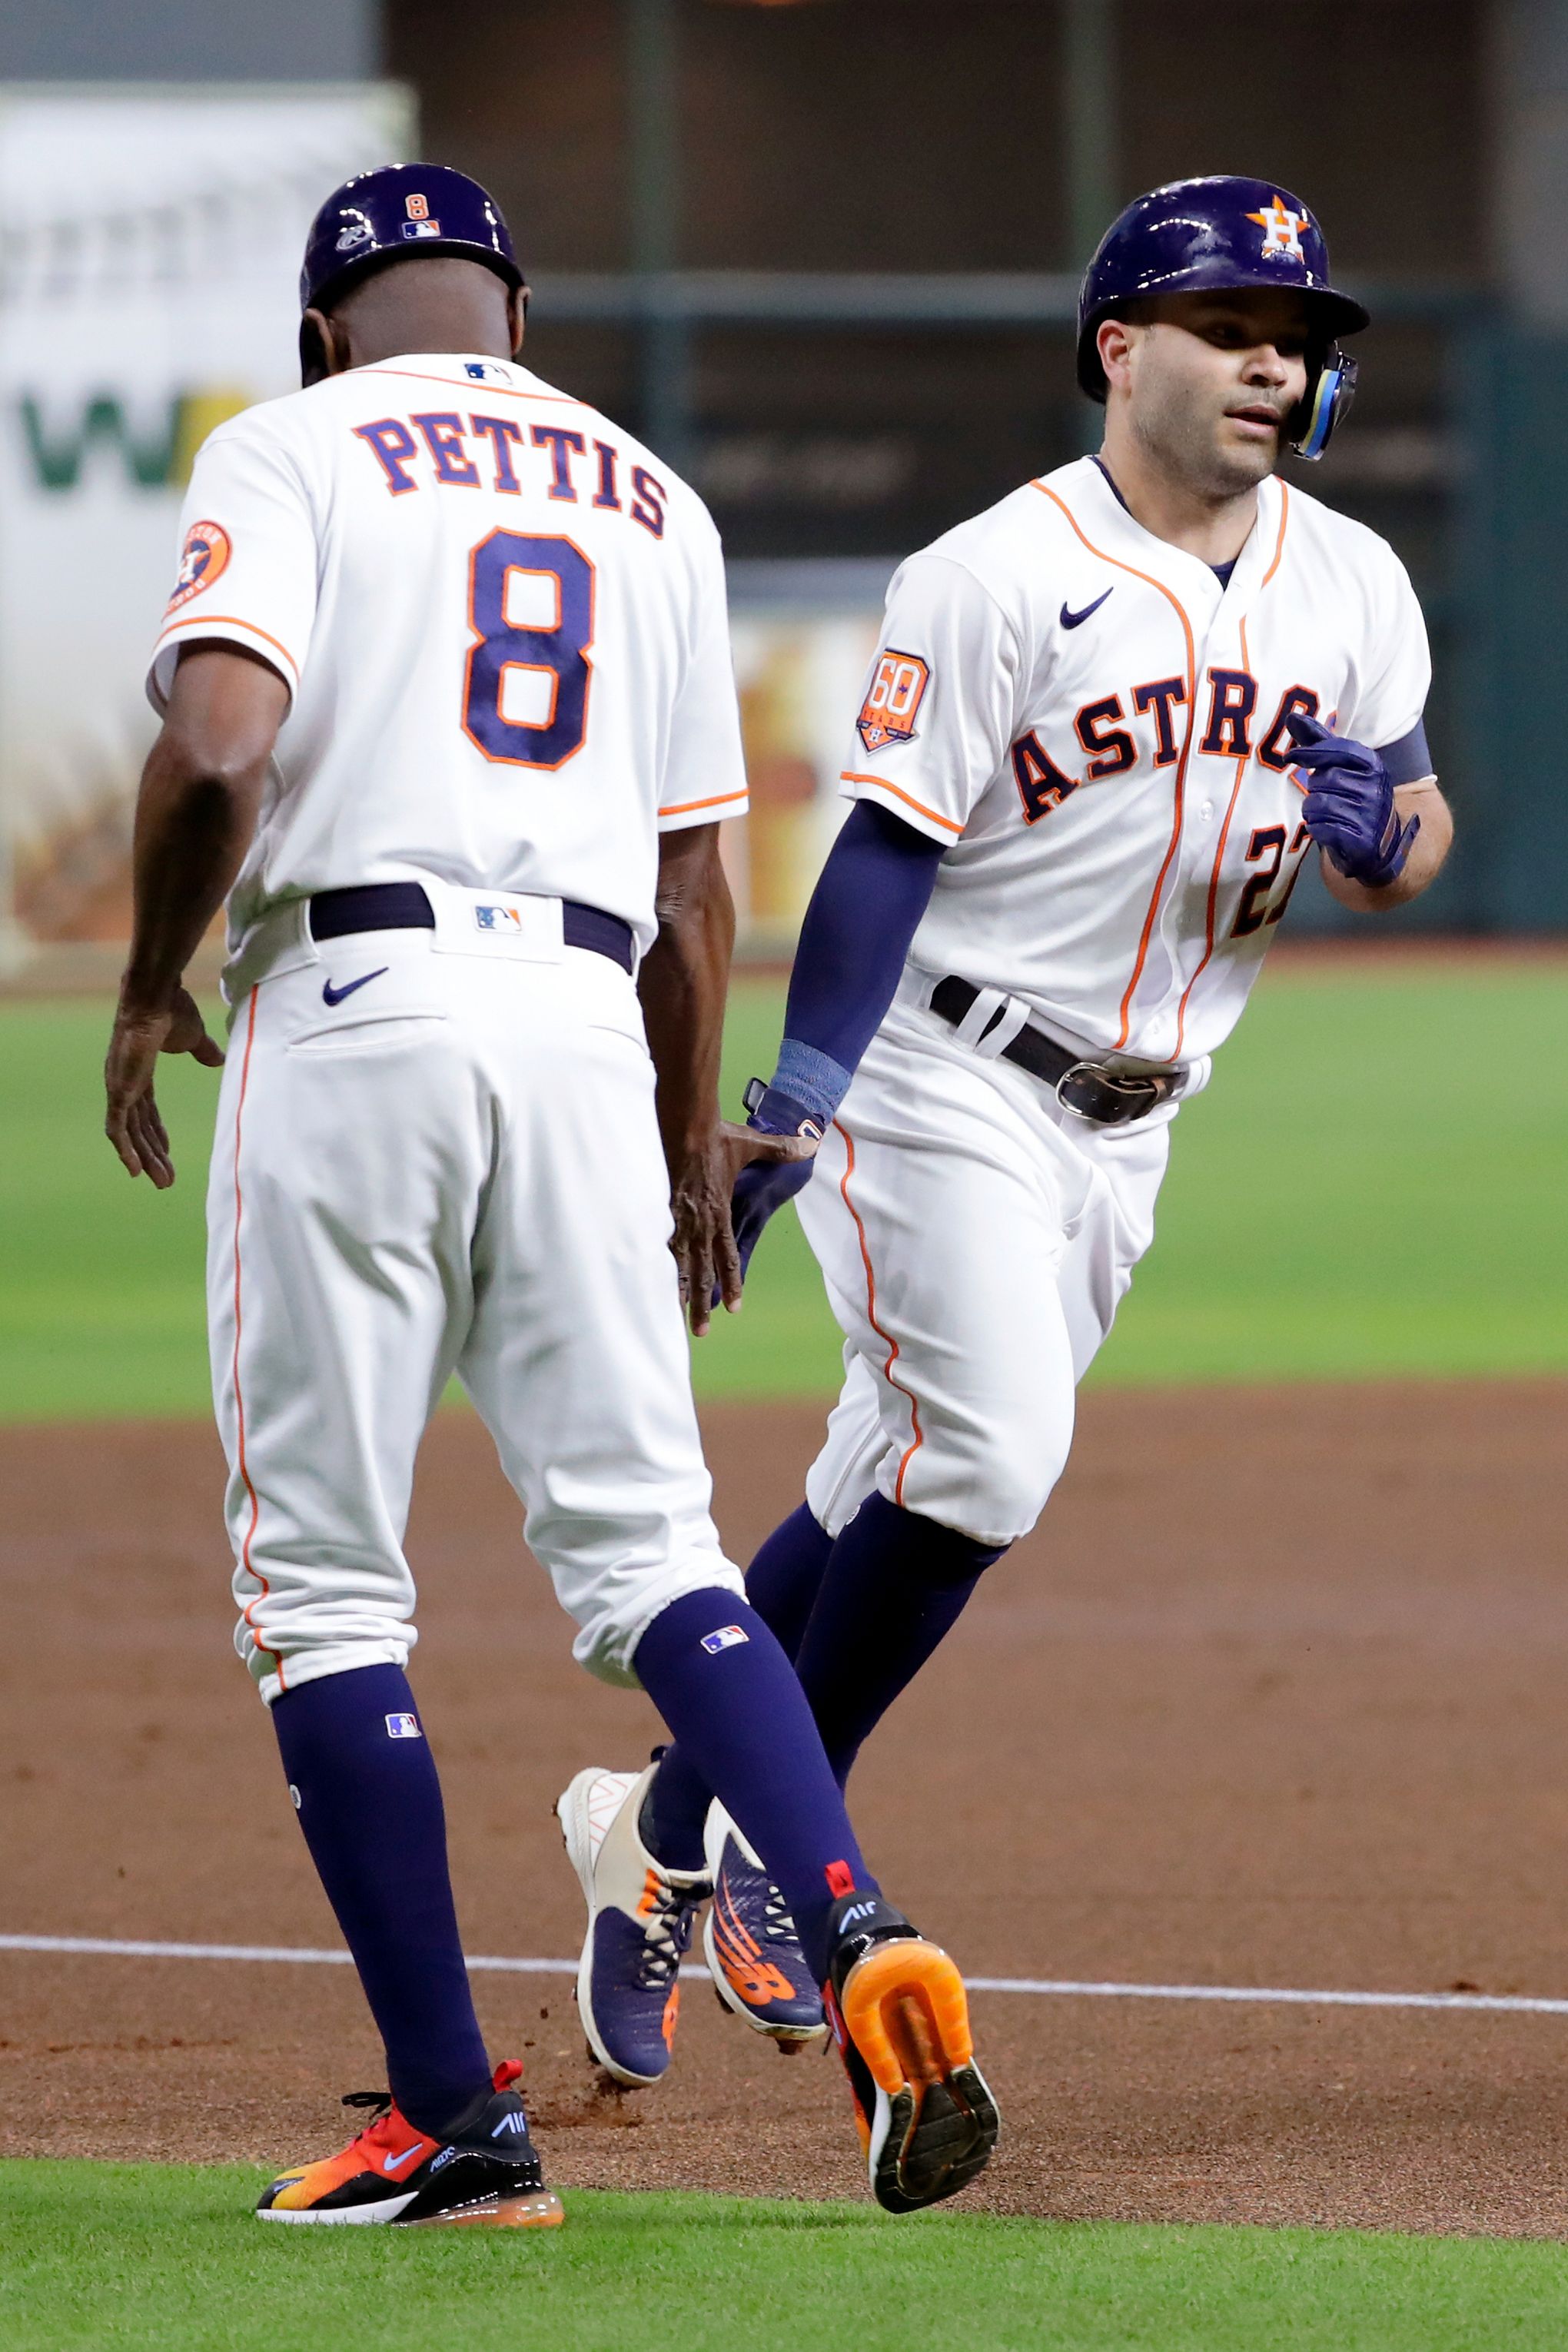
(331,995)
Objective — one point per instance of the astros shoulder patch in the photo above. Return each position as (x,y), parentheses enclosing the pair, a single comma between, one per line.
(204,554)
(898,688)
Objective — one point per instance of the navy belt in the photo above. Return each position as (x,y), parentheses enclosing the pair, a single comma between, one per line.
(1104,1097)
(404,907)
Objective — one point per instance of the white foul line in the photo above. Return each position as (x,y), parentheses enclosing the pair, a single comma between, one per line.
(1071,1987)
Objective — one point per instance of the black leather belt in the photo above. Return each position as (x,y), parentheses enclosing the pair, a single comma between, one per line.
(1105,1098)
(404,907)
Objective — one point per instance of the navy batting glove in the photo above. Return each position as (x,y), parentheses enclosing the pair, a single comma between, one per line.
(766,1186)
(1349,809)
(759,1191)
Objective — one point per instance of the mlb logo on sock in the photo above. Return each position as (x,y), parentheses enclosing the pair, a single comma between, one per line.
(403,1726)
(724,1639)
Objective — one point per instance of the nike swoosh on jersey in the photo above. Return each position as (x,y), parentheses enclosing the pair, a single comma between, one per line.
(331,995)
(1073,620)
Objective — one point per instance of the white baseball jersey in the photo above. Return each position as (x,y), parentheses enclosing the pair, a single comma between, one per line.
(503,624)
(1097,727)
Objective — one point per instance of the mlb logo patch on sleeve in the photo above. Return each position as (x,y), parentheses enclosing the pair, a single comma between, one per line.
(889,713)
(724,1639)
(403,1726)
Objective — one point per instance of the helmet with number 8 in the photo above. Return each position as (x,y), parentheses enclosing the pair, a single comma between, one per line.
(398,211)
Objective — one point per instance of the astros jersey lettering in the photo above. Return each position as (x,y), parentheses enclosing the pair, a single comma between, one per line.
(1098,730)
(502,622)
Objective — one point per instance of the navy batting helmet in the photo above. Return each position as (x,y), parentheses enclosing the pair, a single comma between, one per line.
(1225,232)
(399,210)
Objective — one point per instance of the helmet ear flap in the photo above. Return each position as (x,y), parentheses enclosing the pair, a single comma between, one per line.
(1327,403)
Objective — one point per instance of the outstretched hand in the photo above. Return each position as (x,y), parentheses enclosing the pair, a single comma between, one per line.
(706,1253)
(133,1123)
(1350,809)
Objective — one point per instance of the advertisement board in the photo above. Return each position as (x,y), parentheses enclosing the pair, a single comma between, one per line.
(148,288)
(803,635)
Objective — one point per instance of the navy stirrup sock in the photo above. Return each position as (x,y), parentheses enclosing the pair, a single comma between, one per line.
(729,1693)
(782,1583)
(363,1782)
(785,1578)
(895,1586)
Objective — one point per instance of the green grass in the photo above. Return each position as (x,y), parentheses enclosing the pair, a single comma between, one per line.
(166,2256)
(1371,1186)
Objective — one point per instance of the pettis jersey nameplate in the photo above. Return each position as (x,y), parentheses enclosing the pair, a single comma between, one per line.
(504,628)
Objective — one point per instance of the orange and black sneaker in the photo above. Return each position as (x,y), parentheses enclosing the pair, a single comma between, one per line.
(899,2015)
(484,2171)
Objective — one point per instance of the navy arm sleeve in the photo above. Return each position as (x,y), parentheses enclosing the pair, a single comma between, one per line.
(1408,761)
(868,901)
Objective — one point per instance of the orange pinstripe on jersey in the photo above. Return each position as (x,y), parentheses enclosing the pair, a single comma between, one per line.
(1181,782)
(886,1336)
(1279,542)
(1241,768)
(210,621)
(847,776)
(507,391)
(1235,794)
(684,808)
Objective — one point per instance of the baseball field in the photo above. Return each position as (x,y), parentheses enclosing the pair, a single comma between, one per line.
(1241,1790)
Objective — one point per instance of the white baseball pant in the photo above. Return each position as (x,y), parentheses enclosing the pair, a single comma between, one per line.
(455,1169)
(976,1240)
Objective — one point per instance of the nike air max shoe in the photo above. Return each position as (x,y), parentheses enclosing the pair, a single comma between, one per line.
(640,1918)
(486,2172)
(899,2015)
(749,1944)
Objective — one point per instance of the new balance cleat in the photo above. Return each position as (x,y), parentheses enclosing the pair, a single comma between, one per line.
(899,2015)
(640,1918)
(749,1944)
(486,2172)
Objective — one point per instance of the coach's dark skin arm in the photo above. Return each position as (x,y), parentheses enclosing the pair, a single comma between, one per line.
(683,982)
(195,815)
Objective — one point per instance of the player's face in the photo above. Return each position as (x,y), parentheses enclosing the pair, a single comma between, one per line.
(1211,379)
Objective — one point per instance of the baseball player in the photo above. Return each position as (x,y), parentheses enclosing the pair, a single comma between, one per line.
(1108,722)
(449,718)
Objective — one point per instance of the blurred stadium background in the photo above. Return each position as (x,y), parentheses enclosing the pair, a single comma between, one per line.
(823,254)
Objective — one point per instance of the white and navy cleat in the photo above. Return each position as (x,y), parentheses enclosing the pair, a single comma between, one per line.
(748,1941)
(640,1918)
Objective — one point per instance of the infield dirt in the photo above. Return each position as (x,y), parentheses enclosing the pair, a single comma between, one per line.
(1276,1697)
